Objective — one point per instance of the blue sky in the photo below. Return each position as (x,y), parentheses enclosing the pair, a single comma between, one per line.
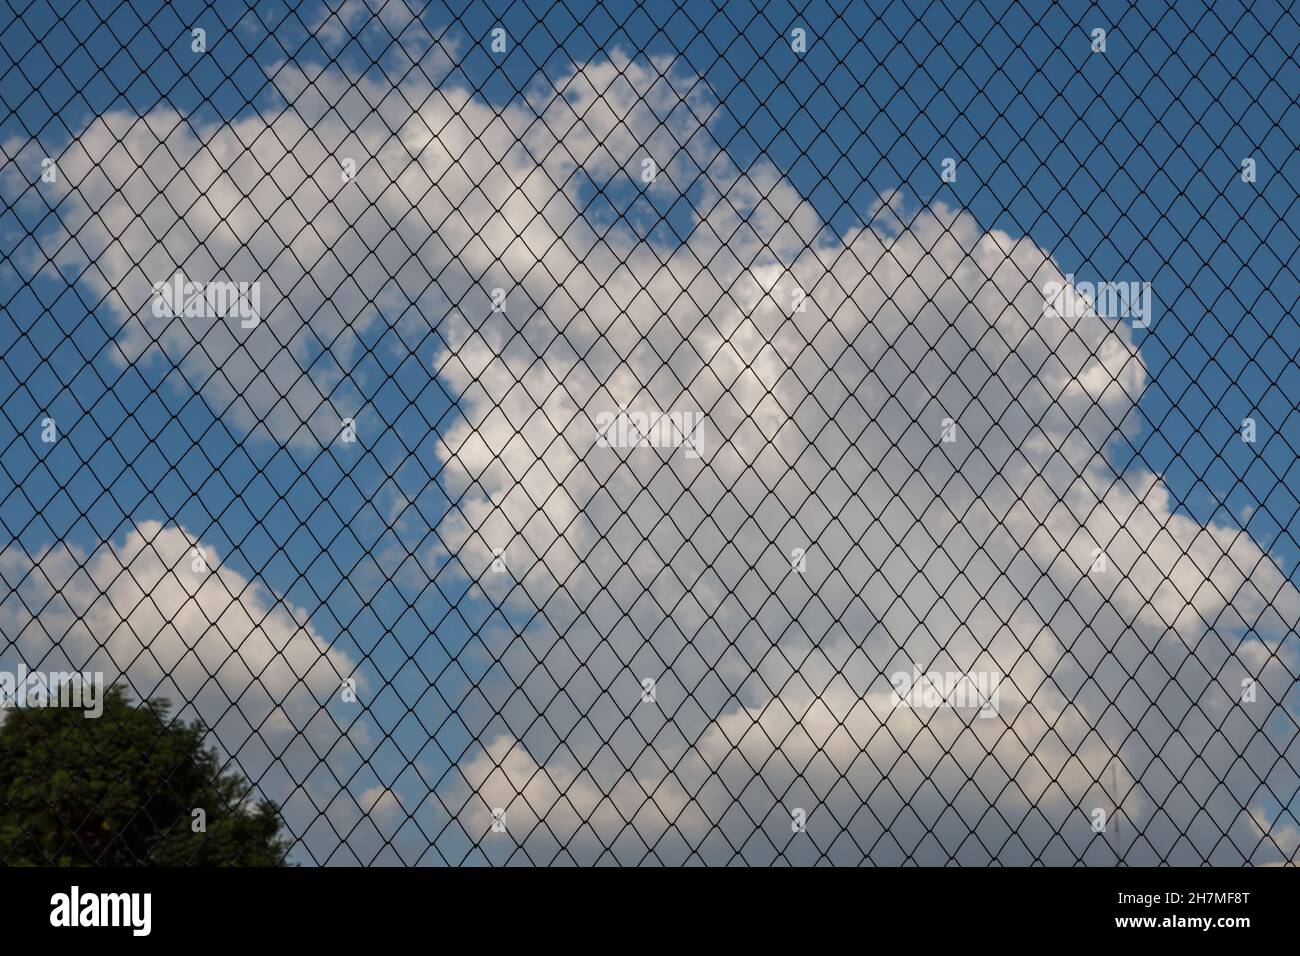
(1123,165)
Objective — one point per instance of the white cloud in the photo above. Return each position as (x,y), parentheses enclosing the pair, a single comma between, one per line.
(826,426)
(829,424)
(219,646)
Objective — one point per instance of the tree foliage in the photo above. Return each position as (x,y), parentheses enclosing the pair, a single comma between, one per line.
(120,790)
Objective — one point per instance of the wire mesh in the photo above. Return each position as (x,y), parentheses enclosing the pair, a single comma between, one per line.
(782,433)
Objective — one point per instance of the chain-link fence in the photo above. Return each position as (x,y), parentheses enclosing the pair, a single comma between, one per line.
(649,433)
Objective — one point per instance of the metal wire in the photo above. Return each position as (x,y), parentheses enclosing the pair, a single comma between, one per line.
(659,434)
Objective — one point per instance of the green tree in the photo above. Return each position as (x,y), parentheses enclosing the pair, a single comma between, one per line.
(119,790)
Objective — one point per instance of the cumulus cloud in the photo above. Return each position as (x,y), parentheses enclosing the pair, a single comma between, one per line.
(825,365)
(974,555)
(159,612)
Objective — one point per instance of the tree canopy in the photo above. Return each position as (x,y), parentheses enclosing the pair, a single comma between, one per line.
(121,790)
